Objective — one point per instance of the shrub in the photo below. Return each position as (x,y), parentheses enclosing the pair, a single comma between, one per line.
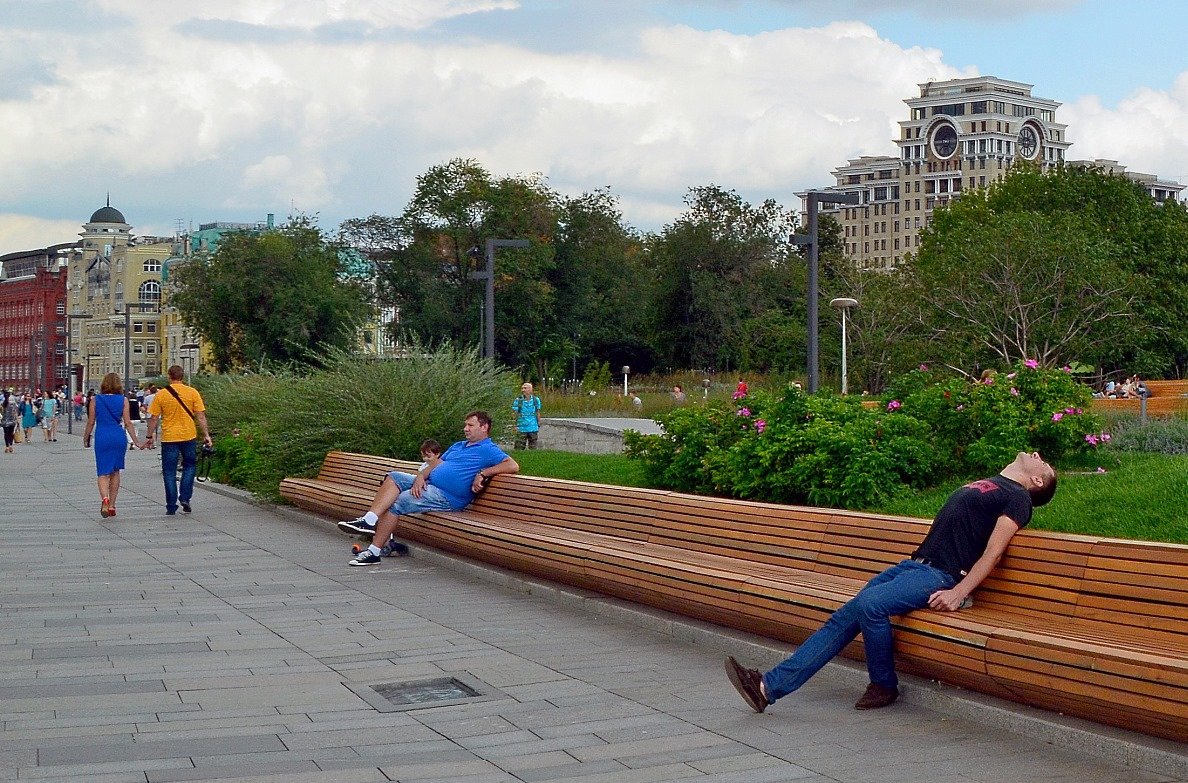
(831,451)
(1156,435)
(289,421)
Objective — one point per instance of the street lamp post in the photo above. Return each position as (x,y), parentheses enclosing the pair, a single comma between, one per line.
(815,198)
(626,371)
(70,368)
(488,274)
(189,348)
(141,307)
(843,303)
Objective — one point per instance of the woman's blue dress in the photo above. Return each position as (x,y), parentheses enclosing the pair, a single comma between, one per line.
(111,442)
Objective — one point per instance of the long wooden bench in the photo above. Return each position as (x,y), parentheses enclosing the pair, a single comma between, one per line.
(1167,399)
(1089,626)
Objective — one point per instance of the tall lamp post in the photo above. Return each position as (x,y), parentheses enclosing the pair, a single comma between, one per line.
(70,368)
(814,199)
(488,274)
(843,303)
(189,348)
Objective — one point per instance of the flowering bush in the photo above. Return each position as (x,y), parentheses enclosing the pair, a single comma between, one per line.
(831,451)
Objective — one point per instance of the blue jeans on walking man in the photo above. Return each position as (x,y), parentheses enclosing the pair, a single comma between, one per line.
(187,451)
(896,591)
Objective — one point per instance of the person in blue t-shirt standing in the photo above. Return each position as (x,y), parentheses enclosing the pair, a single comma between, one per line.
(527,410)
(450,484)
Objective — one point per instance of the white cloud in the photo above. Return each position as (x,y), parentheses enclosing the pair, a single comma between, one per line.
(184,123)
(1145,132)
(22,232)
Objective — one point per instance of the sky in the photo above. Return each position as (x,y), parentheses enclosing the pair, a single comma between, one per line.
(225,110)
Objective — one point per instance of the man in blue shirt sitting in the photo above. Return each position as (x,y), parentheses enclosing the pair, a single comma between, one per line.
(449,484)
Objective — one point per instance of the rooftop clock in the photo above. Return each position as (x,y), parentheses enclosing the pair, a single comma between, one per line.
(944,141)
(1028,142)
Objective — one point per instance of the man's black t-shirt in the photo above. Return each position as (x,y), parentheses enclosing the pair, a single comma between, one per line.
(963,526)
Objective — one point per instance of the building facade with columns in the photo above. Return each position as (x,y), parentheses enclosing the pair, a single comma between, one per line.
(113,297)
(960,135)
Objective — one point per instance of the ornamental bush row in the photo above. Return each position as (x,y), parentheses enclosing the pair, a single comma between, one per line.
(834,451)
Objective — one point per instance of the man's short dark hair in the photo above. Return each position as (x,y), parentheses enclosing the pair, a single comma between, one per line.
(176,373)
(483,417)
(1042,494)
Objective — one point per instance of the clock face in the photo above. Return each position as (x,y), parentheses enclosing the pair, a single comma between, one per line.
(944,141)
(1028,142)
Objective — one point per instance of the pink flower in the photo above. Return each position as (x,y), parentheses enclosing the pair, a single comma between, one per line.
(738,395)
(1091,439)
(923,368)
(1068,369)
(1057,416)
(1101,470)
(961,407)
(894,405)
(743,412)
(1031,364)
(760,425)
(1014,391)
(988,380)
(1012,374)
(1105,437)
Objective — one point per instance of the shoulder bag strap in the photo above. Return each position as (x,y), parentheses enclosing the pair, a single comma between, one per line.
(171,390)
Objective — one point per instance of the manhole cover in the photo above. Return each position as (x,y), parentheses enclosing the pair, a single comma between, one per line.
(448,689)
(444,689)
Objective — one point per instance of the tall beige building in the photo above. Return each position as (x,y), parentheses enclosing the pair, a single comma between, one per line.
(115,279)
(961,134)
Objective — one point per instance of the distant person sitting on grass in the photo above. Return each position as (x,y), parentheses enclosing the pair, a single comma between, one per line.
(447,484)
(965,542)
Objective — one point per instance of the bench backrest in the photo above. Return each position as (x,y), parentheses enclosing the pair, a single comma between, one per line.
(1141,585)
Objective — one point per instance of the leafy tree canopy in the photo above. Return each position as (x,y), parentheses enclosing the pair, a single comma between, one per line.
(270,296)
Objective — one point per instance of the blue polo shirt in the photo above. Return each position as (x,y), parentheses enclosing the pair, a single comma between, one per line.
(459,465)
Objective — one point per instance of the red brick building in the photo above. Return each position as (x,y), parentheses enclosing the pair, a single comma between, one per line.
(33,318)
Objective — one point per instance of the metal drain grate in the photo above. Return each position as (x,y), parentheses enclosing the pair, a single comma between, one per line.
(449,689)
(443,689)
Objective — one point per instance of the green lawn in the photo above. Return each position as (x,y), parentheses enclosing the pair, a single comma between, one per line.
(1141,496)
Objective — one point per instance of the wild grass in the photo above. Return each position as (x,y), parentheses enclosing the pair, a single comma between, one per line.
(615,469)
(289,420)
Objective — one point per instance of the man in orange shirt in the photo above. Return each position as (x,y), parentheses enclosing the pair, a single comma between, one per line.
(179,408)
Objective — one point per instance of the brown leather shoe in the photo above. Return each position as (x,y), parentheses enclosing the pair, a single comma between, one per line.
(748,683)
(877,696)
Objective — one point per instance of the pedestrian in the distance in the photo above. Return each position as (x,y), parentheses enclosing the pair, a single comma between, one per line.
(10,418)
(108,419)
(28,417)
(527,410)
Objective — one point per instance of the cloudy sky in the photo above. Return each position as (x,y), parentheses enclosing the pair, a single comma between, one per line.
(231,109)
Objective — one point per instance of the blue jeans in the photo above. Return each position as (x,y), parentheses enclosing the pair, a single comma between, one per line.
(898,590)
(432,499)
(188,451)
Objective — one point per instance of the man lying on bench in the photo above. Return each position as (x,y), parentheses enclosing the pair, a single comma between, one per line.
(967,538)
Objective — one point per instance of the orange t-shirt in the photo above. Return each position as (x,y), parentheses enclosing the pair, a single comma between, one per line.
(176,424)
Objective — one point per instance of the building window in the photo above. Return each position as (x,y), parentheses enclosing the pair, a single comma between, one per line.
(137,327)
(152,265)
(150,292)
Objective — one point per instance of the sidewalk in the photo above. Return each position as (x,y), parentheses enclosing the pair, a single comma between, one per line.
(235,644)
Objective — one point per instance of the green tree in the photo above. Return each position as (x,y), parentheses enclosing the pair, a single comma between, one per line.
(1104,266)
(270,296)
(721,264)
(427,255)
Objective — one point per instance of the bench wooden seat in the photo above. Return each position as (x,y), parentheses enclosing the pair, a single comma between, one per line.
(1088,626)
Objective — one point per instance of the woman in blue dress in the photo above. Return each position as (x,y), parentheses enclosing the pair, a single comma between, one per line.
(109,419)
(28,417)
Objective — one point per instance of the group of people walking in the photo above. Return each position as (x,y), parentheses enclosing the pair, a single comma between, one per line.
(177,411)
(23,414)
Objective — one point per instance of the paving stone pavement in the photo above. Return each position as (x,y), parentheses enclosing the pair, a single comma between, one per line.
(235,644)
